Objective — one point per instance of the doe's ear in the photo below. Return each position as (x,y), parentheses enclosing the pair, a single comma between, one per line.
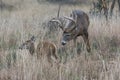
(33,38)
(21,46)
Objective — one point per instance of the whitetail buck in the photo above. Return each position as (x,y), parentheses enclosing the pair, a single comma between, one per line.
(76,25)
(44,48)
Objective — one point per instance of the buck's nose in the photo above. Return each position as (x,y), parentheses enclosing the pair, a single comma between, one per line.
(63,42)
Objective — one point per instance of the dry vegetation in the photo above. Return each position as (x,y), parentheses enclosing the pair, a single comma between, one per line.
(18,25)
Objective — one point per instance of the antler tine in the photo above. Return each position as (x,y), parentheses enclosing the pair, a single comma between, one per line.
(56,21)
(59,11)
(69,18)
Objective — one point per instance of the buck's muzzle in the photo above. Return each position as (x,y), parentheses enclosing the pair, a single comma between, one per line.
(63,42)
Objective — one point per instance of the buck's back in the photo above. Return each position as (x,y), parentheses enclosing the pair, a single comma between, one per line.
(83,19)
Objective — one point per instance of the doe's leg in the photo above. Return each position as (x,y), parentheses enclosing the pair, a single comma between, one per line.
(49,59)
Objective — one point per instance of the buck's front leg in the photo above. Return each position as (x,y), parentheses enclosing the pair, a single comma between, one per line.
(86,40)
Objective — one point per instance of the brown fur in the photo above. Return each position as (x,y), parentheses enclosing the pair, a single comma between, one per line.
(44,48)
(77,25)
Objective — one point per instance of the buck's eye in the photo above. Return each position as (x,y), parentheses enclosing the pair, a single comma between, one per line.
(68,35)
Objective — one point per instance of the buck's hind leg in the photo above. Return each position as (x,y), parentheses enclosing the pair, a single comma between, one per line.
(86,40)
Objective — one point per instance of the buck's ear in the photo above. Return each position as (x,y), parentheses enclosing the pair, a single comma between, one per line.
(74,16)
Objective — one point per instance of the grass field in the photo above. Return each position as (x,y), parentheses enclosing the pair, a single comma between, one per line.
(18,25)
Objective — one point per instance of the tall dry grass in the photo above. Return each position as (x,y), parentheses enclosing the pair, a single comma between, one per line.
(103,63)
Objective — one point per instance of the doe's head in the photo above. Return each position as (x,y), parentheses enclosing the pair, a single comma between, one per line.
(29,45)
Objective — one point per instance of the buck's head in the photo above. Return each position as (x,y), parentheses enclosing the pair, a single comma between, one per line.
(69,29)
(29,45)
